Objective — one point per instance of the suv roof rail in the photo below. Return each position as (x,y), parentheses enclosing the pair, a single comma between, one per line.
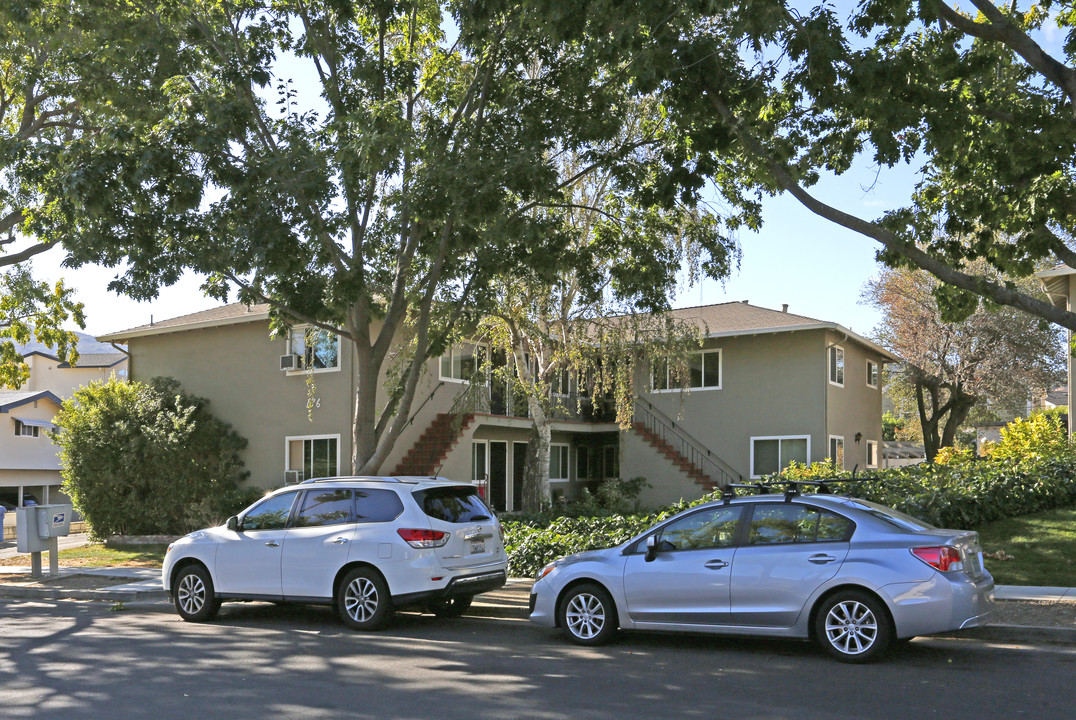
(406,479)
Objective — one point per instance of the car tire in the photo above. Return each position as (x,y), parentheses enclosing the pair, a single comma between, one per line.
(363,601)
(193,594)
(588,615)
(853,627)
(450,607)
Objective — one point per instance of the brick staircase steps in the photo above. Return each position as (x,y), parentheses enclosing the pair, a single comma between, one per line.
(433,446)
(673,456)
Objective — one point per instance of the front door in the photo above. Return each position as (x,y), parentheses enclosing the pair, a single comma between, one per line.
(498,475)
(687,582)
(248,561)
(519,464)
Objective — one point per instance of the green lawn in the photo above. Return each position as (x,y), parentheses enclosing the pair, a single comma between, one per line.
(98,555)
(1042,547)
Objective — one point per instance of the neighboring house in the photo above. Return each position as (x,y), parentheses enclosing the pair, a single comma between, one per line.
(769,387)
(29,466)
(1059,285)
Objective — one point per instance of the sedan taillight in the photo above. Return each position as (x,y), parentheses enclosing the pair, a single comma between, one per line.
(418,538)
(945,558)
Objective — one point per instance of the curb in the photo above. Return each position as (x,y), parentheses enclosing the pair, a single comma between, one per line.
(1016,634)
(24,593)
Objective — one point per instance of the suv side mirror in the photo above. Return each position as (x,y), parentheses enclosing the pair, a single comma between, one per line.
(233,523)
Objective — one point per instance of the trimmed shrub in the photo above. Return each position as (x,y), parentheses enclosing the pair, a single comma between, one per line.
(148,459)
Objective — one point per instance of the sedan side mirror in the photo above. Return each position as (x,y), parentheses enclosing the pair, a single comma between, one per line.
(233,523)
(651,548)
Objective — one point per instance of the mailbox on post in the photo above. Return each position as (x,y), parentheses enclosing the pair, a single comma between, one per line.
(38,528)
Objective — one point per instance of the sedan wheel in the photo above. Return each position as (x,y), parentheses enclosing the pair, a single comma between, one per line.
(193,595)
(853,627)
(363,600)
(588,615)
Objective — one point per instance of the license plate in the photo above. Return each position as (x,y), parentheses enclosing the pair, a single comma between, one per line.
(477,546)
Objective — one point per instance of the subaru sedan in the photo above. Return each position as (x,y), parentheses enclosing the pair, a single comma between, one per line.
(849,574)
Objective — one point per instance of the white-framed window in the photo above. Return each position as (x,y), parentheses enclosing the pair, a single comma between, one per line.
(317,350)
(872,374)
(558,462)
(461,362)
(836,365)
(479,460)
(872,453)
(313,455)
(772,454)
(836,451)
(703,368)
(24,430)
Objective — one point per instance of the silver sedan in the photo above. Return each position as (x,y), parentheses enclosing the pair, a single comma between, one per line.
(852,575)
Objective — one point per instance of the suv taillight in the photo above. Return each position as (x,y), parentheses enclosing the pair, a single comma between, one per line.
(424,538)
(944,558)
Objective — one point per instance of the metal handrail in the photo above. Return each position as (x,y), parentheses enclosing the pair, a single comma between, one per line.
(428,398)
(691,449)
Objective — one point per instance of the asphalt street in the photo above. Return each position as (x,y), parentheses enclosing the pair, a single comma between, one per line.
(72,660)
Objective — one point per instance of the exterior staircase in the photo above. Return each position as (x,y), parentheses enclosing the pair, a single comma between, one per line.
(432,447)
(685,465)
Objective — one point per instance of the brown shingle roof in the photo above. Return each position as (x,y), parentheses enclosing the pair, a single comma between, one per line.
(738,316)
(223,315)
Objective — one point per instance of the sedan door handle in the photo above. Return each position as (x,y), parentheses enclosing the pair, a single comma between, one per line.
(272,543)
(339,541)
(821,559)
(716,564)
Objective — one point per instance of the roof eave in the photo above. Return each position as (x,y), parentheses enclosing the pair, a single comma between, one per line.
(811,326)
(148,331)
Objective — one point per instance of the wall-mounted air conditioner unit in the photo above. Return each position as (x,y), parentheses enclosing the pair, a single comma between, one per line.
(291,477)
(289,362)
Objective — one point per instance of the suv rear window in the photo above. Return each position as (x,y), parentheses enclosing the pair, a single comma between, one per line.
(453,504)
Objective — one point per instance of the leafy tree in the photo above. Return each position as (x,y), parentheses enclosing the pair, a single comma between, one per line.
(142,458)
(997,354)
(378,200)
(775,93)
(575,338)
(75,78)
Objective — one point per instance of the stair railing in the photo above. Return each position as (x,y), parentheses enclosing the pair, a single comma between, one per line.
(666,429)
(428,398)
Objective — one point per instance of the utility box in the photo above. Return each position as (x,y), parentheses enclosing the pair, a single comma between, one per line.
(53,521)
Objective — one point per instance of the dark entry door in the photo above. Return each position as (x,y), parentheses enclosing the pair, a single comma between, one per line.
(519,462)
(498,474)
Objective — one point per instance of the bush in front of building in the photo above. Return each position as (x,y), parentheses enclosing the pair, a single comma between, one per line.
(147,459)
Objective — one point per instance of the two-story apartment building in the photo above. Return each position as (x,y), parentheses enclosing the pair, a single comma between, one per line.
(768,387)
(29,466)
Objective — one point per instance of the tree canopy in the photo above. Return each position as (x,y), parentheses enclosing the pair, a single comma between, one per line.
(364,171)
(997,356)
(776,93)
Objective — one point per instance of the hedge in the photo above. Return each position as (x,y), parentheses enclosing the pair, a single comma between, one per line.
(1032,468)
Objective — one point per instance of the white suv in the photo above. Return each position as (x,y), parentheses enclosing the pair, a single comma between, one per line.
(367,545)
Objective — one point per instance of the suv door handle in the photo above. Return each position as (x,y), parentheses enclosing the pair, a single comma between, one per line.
(821,559)
(339,541)
(272,543)
(716,564)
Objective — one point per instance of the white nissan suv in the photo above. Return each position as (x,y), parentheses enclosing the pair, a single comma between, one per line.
(367,545)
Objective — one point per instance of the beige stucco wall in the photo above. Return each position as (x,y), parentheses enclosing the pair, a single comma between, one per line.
(27,453)
(856,407)
(237,367)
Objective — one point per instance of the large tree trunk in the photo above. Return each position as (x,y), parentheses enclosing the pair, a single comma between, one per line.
(941,422)
(536,494)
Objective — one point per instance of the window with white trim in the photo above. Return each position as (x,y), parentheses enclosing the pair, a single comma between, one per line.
(872,374)
(314,455)
(558,462)
(770,455)
(836,365)
(872,453)
(24,430)
(462,362)
(703,372)
(316,349)
(836,451)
